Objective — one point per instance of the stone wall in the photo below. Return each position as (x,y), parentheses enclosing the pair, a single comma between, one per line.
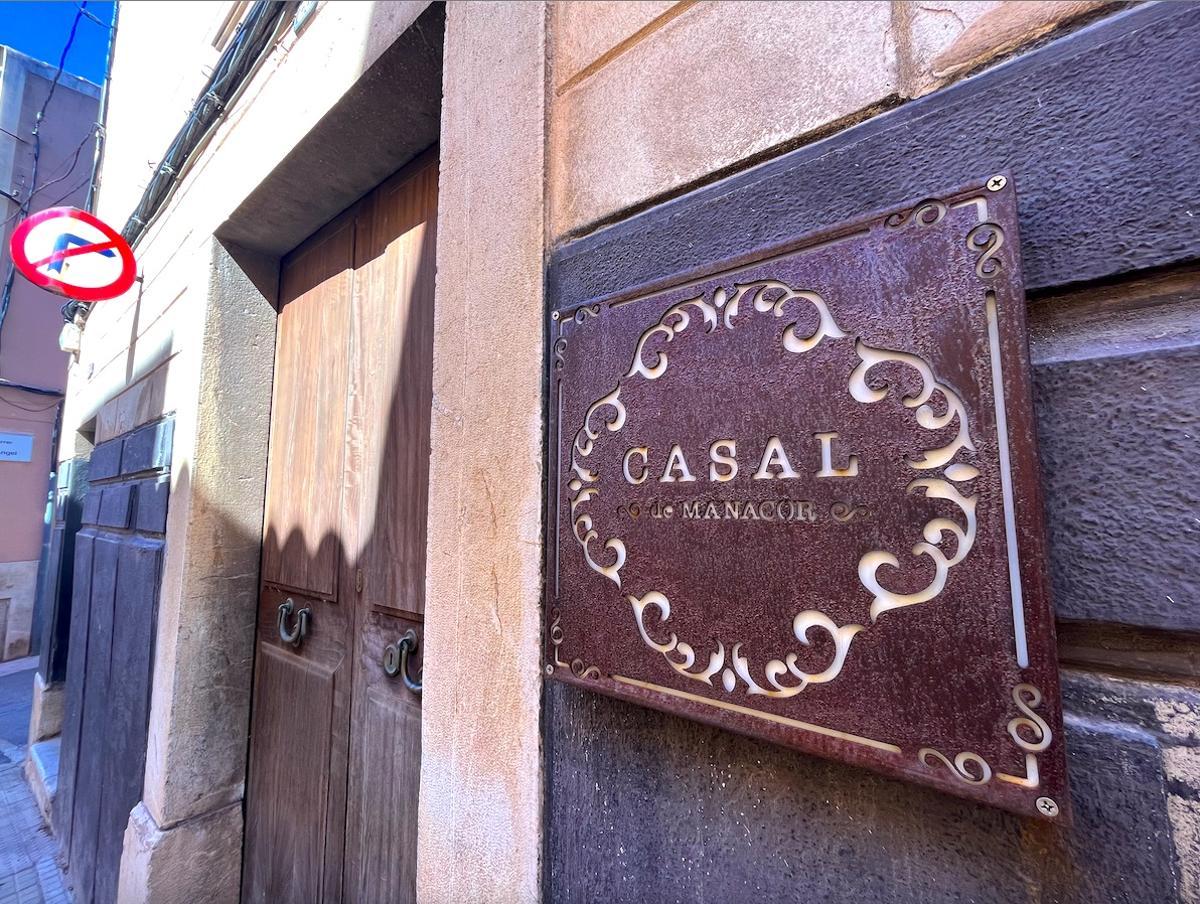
(648,99)
(641,805)
(481,794)
(18,589)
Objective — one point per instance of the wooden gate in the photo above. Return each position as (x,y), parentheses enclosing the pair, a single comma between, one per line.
(118,569)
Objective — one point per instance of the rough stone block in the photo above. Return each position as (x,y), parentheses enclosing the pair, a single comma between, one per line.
(717,84)
(152,498)
(1038,115)
(480,814)
(681,811)
(138,404)
(946,38)
(1124,540)
(194,861)
(46,714)
(196,761)
(583,33)
(148,448)
(105,460)
(41,772)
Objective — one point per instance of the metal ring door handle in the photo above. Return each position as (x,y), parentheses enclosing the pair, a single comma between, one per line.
(297,633)
(395,659)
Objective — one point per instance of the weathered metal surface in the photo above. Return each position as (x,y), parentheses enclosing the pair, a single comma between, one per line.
(797,497)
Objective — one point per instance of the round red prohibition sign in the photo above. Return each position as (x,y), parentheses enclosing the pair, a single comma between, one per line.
(71,252)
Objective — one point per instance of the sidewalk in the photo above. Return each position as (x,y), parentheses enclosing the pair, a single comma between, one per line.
(29,872)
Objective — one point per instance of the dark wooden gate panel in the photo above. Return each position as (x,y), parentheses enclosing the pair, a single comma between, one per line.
(118,568)
(55,591)
(85,821)
(81,596)
(139,566)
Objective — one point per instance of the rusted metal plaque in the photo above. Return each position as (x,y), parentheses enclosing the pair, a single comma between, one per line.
(797,496)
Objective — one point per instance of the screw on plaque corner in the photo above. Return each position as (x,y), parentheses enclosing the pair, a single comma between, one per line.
(1046,806)
(995,184)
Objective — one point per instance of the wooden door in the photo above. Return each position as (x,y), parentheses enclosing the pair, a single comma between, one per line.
(335,740)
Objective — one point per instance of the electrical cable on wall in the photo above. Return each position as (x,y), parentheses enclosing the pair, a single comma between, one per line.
(25,408)
(88,136)
(253,38)
(23,209)
(73,308)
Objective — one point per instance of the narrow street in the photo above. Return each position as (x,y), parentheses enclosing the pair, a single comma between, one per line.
(29,872)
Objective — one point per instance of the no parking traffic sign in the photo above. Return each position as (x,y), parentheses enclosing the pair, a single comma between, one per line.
(72,253)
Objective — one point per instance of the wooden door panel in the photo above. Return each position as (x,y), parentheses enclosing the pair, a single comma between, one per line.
(381,820)
(290,774)
(301,547)
(139,566)
(90,770)
(297,775)
(81,600)
(295,814)
(335,742)
(392,385)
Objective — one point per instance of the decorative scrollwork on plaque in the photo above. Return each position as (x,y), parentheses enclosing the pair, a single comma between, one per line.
(929,212)
(1028,731)
(986,238)
(563,319)
(844,512)
(577,666)
(579,670)
(556,636)
(650,361)
(584,489)
(671,324)
(969,767)
(740,666)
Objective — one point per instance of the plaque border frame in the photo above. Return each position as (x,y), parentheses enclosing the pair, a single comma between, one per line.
(964,773)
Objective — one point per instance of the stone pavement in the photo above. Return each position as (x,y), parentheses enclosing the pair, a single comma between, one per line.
(29,870)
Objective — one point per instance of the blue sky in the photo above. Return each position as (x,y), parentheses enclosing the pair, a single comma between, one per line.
(40,28)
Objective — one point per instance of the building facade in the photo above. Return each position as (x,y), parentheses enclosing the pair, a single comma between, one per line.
(33,371)
(317,427)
